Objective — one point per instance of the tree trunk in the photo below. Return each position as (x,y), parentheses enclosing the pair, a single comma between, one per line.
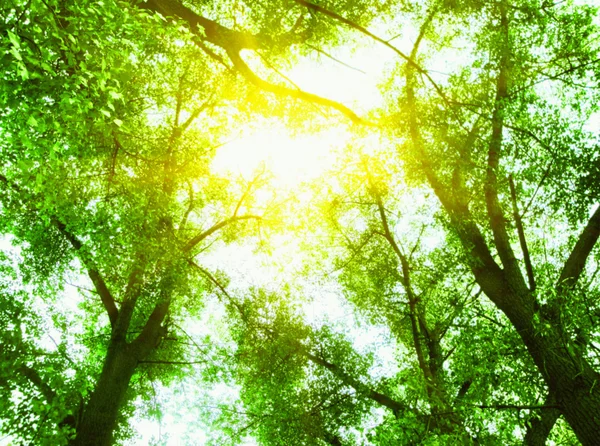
(102,411)
(540,428)
(575,384)
(563,366)
(100,415)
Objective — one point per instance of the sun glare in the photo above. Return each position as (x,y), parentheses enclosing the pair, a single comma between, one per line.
(290,158)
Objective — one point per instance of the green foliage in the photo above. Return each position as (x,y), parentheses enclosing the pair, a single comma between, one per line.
(286,395)
(110,117)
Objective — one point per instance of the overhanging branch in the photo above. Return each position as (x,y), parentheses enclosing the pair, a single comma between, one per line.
(243,68)
(576,262)
(209,30)
(233,42)
(214,228)
(487,272)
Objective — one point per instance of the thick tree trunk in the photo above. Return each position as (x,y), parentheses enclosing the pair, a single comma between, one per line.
(559,359)
(562,364)
(101,412)
(575,384)
(539,429)
(100,415)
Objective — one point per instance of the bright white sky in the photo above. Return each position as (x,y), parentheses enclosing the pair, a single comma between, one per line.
(293,159)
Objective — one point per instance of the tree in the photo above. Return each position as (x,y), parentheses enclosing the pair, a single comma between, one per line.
(92,181)
(463,141)
(468,146)
(534,313)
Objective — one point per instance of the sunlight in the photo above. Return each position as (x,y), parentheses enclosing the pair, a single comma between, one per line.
(290,159)
(337,73)
(293,159)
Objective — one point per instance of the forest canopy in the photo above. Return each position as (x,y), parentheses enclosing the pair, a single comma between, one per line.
(421,270)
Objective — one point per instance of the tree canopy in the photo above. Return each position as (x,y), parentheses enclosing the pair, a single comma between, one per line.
(435,284)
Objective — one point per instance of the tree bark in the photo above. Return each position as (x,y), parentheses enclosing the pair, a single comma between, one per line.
(101,413)
(100,416)
(539,429)
(573,381)
(560,361)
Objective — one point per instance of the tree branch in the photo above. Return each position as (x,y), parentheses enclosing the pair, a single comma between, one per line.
(34,377)
(211,31)
(326,54)
(355,26)
(233,42)
(464,388)
(539,428)
(101,288)
(221,288)
(247,192)
(366,32)
(361,388)
(195,113)
(418,325)
(576,262)
(172,362)
(521,232)
(496,216)
(514,406)
(189,209)
(132,292)
(148,339)
(241,66)
(214,228)
(487,272)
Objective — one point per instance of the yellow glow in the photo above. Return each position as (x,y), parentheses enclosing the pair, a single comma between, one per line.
(291,160)
(294,159)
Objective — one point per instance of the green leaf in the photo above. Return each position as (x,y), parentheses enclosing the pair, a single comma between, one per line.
(115,94)
(15,52)
(14,39)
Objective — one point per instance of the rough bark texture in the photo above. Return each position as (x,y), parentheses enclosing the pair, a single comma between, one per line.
(575,384)
(539,429)
(101,413)
(561,363)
